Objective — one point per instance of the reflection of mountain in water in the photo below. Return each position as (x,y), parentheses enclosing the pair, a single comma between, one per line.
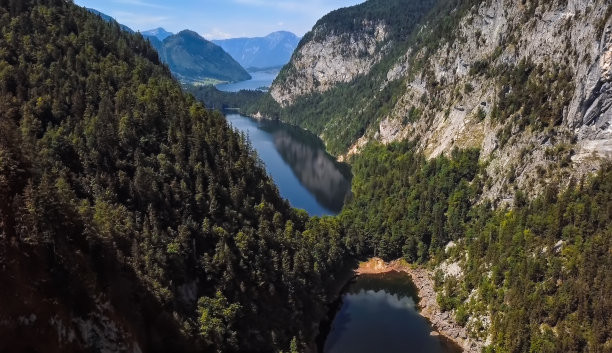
(315,169)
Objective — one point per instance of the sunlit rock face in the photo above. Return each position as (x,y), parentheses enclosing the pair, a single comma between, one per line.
(318,65)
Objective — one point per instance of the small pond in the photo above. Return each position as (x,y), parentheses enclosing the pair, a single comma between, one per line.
(379,313)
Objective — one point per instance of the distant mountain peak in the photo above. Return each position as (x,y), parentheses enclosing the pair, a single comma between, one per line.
(273,50)
(188,32)
(194,59)
(159,32)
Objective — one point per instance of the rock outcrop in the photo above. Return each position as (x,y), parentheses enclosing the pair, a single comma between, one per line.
(318,66)
(458,88)
(443,322)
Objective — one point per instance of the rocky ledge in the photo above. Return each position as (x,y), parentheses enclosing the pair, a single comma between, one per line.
(443,323)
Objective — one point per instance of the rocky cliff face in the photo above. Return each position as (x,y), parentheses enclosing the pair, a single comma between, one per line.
(502,34)
(339,57)
(530,85)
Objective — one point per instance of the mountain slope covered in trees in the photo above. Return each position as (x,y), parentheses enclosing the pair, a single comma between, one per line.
(528,84)
(479,140)
(193,59)
(132,219)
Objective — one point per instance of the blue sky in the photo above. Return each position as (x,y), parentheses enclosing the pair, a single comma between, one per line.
(216,19)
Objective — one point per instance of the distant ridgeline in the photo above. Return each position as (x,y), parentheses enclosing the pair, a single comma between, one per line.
(133,219)
(273,50)
(191,58)
(196,60)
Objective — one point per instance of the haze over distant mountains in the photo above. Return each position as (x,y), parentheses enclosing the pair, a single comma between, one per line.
(272,50)
(191,58)
(158,33)
(194,59)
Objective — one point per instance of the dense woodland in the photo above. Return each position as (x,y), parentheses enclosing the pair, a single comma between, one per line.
(116,184)
(543,269)
(245,100)
(114,181)
(406,206)
(540,271)
(344,113)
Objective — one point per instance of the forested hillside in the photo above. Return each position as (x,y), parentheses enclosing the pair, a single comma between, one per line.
(536,277)
(132,219)
(526,83)
(193,59)
(480,145)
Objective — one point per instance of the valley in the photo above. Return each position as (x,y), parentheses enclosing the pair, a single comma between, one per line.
(302,170)
(420,175)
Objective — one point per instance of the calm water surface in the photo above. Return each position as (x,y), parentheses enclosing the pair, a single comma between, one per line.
(258,80)
(297,162)
(379,314)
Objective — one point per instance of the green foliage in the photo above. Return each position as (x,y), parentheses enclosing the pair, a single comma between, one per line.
(192,58)
(406,206)
(132,187)
(399,16)
(547,264)
(216,320)
(219,100)
(531,96)
(344,113)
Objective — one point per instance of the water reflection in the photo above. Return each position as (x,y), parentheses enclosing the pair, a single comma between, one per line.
(297,161)
(379,314)
(328,180)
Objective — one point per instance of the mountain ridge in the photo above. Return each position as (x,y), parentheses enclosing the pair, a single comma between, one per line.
(133,219)
(273,50)
(108,18)
(454,100)
(159,33)
(194,59)
(191,57)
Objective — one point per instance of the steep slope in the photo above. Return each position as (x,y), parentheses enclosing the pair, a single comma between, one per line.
(158,33)
(192,59)
(527,84)
(108,18)
(480,147)
(345,44)
(131,218)
(273,50)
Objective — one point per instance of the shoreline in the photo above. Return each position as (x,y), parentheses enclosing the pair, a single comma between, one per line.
(442,322)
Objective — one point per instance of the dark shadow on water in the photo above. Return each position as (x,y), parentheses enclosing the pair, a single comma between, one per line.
(326,181)
(379,313)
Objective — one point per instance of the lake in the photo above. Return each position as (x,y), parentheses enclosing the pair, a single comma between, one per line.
(379,314)
(258,80)
(303,171)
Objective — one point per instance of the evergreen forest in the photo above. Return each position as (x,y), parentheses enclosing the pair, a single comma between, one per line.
(120,189)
